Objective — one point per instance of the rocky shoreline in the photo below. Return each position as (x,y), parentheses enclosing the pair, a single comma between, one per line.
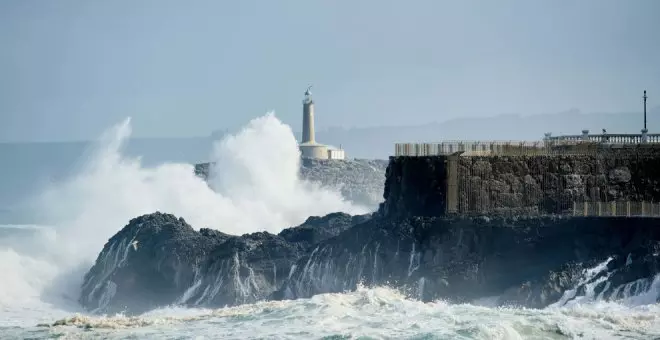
(530,260)
(159,260)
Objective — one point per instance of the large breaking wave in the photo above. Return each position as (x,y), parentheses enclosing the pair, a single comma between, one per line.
(254,186)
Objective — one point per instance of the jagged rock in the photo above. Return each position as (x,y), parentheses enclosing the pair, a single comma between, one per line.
(545,290)
(529,261)
(146,264)
(316,229)
(620,175)
(158,259)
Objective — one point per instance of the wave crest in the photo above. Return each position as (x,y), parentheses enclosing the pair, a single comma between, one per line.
(255,187)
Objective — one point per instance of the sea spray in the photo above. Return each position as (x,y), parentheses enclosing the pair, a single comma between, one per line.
(377,312)
(255,187)
(261,178)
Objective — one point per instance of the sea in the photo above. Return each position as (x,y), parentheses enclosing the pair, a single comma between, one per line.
(60,203)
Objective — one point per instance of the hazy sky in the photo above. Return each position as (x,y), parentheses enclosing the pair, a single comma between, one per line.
(70,69)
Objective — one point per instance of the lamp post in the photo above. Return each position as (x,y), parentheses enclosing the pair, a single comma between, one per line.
(645,131)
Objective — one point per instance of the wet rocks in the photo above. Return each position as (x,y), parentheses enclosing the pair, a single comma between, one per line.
(526,261)
(158,259)
(620,175)
(146,264)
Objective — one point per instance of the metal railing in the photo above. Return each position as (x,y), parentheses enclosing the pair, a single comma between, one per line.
(618,138)
(617,208)
(466,147)
(512,148)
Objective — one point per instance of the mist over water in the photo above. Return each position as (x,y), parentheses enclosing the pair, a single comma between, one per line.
(253,187)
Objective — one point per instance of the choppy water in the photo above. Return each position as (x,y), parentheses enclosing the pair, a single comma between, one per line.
(377,313)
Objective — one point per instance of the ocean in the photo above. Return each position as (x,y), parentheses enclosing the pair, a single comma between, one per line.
(60,203)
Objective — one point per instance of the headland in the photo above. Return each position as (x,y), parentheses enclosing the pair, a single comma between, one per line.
(530,224)
(521,224)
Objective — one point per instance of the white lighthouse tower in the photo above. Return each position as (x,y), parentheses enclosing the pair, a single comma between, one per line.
(308,146)
(308,118)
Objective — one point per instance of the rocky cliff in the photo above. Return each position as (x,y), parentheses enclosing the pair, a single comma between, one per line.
(415,186)
(528,260)
(358,180)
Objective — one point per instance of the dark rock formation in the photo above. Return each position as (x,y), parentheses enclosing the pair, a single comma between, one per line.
(147,264)
(526,261)
(359,180)
(415,186)
(317,229)
(158,259)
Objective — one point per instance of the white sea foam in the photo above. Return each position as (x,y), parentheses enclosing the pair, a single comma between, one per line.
(255,187)
(380,313)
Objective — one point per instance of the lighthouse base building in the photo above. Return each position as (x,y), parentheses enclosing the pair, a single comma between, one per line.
(309,148)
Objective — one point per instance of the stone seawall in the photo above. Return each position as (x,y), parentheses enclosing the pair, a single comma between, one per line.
(415,186)
(437,185)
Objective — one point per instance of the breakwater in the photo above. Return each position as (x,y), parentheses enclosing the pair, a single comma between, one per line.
(623,182)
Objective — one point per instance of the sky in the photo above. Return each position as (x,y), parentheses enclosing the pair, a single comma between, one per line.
(69,69)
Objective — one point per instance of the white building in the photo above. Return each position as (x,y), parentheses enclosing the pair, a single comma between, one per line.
(336,154)
(308,146)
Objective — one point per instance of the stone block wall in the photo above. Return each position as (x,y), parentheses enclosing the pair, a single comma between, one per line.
(543,184)
(551,184)
(415,186)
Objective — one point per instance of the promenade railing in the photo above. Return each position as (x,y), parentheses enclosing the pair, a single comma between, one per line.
(617,208)
(616,138)
(511,148)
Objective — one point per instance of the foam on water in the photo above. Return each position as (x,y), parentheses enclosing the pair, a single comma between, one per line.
(373,313)
(254,187)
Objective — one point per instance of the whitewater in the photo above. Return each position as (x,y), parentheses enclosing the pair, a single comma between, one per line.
(253,186)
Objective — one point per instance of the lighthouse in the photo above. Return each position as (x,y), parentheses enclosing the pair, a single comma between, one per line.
(308,118)
(308,146)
